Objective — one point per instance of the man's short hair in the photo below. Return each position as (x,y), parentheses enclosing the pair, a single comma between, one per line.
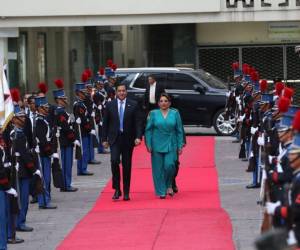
(152,76)
(121,84)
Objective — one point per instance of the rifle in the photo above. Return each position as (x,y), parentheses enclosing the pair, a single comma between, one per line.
(265,196)
(15,202)
(58,180)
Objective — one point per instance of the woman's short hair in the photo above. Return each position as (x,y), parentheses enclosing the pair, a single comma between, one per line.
(166,96)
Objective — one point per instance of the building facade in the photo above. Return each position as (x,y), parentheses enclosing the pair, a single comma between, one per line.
(41,42)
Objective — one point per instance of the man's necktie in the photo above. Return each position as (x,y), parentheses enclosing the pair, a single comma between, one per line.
(121,115)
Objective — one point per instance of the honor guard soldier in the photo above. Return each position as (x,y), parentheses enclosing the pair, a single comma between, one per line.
(91,108)
(99,99)
(65,135)
(280,173)
(110,84)
(83,126)
(5,191)
(22,161)
(44,149)
(291,212)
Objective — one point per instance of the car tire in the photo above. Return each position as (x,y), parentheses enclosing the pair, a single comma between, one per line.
(222,126)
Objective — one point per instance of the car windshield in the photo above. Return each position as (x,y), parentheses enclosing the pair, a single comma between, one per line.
(211,80)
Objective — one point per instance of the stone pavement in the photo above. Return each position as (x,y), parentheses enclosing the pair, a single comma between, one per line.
(51,226)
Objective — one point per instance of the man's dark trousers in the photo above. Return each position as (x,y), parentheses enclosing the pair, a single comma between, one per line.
(121,149)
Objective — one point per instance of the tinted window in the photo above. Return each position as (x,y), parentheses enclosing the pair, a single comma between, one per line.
(209,79)
(126,78)
(142,80)
(180,81)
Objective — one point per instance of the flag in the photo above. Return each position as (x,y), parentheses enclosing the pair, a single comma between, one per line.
(6,103)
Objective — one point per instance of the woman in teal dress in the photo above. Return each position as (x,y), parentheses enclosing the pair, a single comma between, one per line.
(164,139)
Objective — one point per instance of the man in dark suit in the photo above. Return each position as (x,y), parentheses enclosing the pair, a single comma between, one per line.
(121,131)
(152,94)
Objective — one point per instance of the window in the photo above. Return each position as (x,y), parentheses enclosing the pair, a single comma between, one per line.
(142,80)
(180,81)
(41,56)
(125,78)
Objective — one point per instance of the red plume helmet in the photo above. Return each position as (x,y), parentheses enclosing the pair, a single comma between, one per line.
(59,83)
(235,66)
(84,77)
(109,63)
(283,104)
(279,86)
(263,85)
(15,95)
(245,69)
(43,87)
(254,76)
(114,67)
(296,121)
(89,72)
(101,71)
(288,92)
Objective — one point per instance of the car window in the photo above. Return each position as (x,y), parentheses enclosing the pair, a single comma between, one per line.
(180,81)
(142,80)
(126,78)
(122,76)
(209,79)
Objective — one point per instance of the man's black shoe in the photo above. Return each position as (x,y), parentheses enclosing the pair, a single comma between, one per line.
(24,229)
(253,186)
(15,241)
(85,174)
(94,162)
(70,189)
(49,206)
(236,141)
(117,195)
(126,197)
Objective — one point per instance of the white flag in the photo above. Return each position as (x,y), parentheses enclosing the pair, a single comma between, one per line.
(7,106)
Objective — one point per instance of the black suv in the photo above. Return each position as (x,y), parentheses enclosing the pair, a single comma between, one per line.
(199,96)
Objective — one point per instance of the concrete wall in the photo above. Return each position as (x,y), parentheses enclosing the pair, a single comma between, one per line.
(239,33)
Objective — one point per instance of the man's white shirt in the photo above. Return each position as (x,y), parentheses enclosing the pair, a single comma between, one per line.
(152,93)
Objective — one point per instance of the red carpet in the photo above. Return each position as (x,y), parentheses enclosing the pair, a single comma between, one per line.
(193,219)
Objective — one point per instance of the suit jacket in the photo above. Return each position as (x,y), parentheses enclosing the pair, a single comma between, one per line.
(164,134)
(131,125)
(158,91)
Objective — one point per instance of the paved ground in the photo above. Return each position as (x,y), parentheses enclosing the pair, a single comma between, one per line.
(52,226)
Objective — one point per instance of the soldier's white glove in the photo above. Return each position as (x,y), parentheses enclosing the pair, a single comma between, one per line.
(227,94)
(271,206)
(261,140)
(93,114)
(38,172)
(93,132)
(55,155)
(238,100)
(109,99)
(270,159)
(291,240)
(37,149)
(78,121)
(57,134)
(17,154)
(7,164)
(241,118)
(77,143)
(17,166)
(253,130)
(100,107)
(12,191)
